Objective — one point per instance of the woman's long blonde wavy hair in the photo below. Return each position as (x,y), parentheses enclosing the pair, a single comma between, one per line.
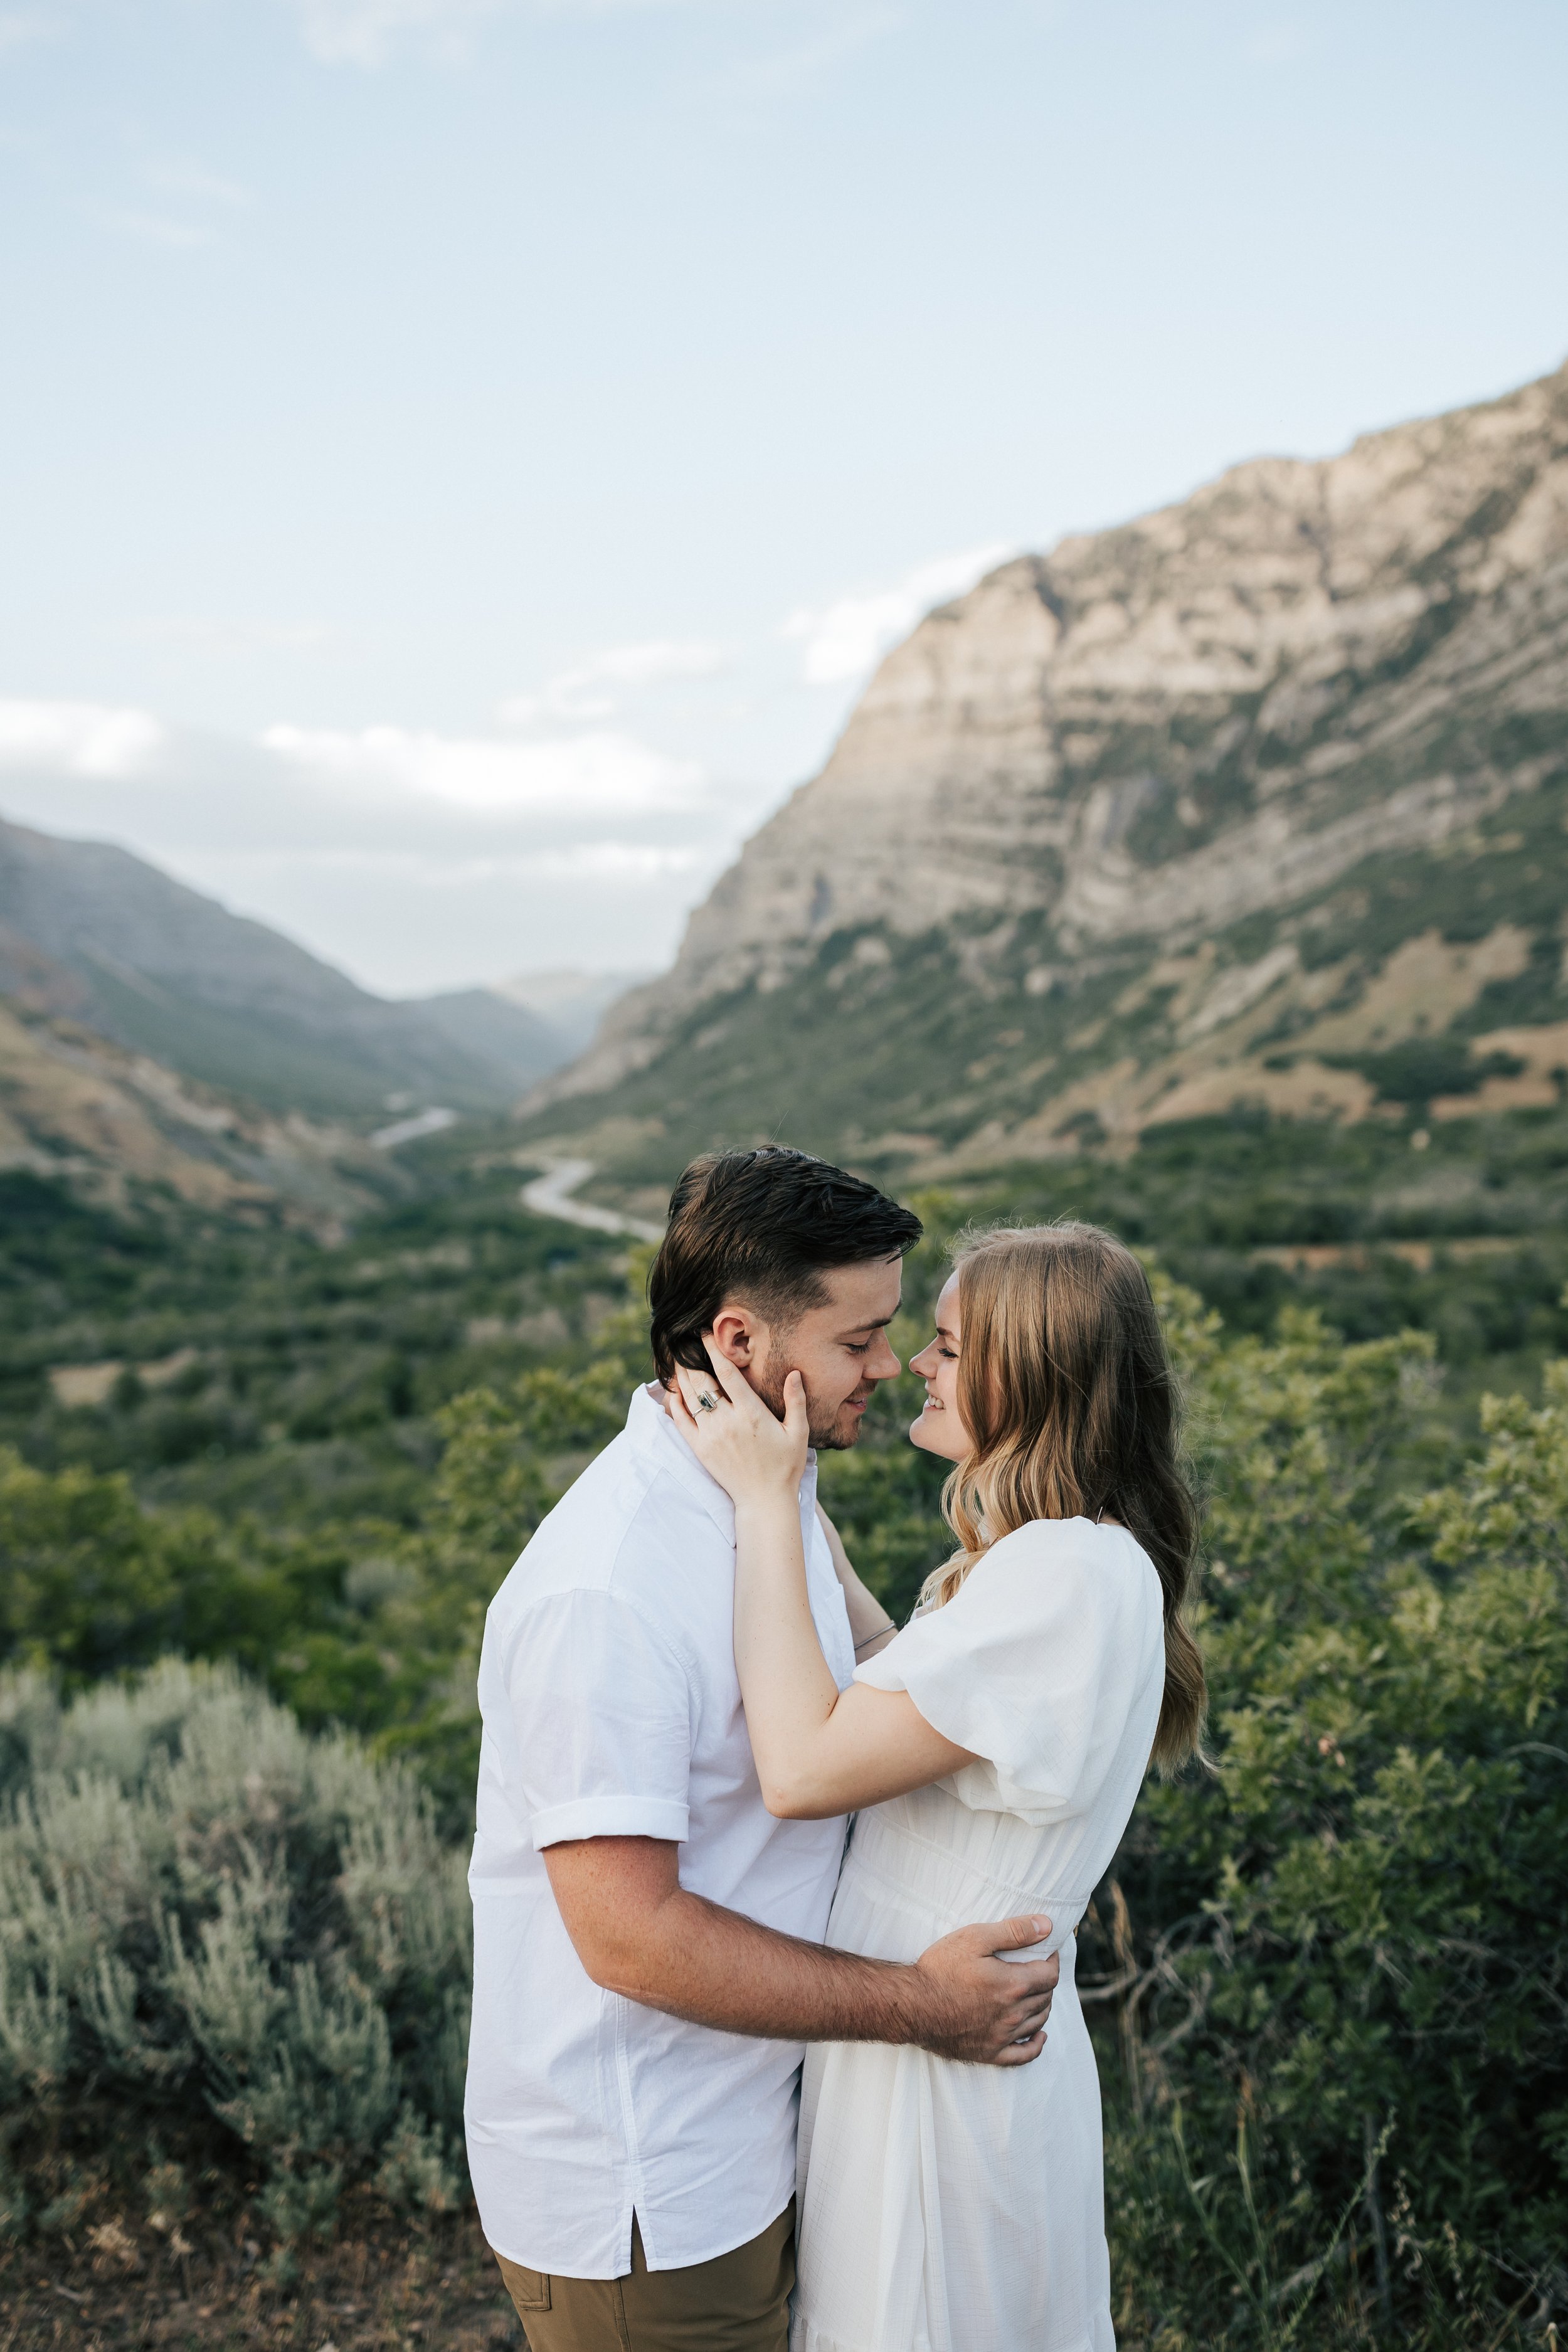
(1070,1404)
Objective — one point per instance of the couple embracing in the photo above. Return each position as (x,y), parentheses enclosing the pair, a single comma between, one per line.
(688,1692)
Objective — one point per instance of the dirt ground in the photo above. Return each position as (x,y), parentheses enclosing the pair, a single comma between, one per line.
(116,2286)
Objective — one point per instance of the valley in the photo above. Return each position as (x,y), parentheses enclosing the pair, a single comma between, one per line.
(1208,879)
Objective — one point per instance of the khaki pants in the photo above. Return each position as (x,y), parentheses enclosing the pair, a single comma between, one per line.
(737,2302)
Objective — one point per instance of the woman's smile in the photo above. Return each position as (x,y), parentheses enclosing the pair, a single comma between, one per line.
(937,1366)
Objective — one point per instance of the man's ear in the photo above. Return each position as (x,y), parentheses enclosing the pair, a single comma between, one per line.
(736,1333)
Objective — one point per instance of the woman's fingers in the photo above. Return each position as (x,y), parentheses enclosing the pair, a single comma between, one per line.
(730,1377)
(795,1420)
(679,1411)
(685,1398)
(748,1424)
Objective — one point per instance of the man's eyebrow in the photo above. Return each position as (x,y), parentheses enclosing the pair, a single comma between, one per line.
(872,1323)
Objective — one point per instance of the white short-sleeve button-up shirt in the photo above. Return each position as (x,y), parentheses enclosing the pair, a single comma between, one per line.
(612,1709)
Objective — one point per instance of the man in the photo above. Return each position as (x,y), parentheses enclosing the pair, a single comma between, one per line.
(647,1953)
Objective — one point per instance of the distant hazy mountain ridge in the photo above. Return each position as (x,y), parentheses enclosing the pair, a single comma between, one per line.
(1195,784)
(92,934)
(532,1023)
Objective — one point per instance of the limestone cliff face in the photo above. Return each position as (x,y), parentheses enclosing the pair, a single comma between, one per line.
(1155,731)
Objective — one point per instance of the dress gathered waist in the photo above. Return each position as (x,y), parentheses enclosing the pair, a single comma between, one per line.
(913,1869)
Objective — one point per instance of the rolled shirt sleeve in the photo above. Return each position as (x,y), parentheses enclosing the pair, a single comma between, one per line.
(602,1711)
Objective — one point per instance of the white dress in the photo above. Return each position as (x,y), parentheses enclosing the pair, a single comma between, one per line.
(948,2208)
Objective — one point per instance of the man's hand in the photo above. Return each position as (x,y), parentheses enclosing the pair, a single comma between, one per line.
(638,1932)
(987,2009)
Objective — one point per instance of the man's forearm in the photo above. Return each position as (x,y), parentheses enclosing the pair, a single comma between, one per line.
(639,1933)
(698,1960)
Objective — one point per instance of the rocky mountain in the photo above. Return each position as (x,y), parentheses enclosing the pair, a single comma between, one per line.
(94,935)
(1259,800)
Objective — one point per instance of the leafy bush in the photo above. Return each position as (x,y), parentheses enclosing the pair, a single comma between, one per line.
(221,1936)
(1412,1073)
(1333,1964)
(364,1623)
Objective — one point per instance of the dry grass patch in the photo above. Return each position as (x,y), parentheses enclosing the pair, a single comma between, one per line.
(383,2284)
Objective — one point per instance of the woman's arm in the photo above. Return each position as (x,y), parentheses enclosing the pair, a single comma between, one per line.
(870,1627)
(819,1752)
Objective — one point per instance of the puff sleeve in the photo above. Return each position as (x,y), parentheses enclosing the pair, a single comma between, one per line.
(1046,1660)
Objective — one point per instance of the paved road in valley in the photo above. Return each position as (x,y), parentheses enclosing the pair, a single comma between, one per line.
(550,1196)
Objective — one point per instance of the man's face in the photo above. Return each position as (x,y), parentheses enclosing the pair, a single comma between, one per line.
(839,1349)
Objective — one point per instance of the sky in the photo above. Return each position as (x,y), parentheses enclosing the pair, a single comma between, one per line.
(460,460)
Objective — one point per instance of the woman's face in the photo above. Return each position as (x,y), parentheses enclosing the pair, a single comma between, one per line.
(939,1428)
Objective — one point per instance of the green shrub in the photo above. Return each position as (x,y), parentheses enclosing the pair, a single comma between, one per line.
(1336,1978)
(233,1936)
(358,1621)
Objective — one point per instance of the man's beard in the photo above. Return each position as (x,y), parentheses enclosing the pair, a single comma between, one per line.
(830,1433)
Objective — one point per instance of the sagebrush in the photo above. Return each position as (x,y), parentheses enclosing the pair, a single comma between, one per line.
(225,1946)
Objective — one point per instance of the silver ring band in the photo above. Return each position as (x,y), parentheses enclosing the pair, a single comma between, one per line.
(706,1403)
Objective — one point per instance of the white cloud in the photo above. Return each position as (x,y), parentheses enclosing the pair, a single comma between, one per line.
(654,664)
(194,180)
(597,774)
(202,635)
(187,186)
(578,693)
(366,32)
(786,72)
(77,739)
(1277,45)
(413,858)
(845,638)
(617,861)
(20,27)
(583,861)
(157,228)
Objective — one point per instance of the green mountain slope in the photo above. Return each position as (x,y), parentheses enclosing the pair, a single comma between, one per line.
(89,931)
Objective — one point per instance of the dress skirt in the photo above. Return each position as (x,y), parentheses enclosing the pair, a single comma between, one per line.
(942,2206)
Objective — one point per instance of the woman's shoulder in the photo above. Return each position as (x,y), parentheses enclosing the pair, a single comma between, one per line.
(1078,1553)
(1100,1543)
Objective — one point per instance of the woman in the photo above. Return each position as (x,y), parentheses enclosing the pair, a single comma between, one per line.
(992,1752)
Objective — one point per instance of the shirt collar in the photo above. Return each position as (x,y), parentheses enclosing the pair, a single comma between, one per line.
(656,1438)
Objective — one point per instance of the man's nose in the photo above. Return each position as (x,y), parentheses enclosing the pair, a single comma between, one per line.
(884,1366)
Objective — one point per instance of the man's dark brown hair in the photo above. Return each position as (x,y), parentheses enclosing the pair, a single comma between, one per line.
(762,1227)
